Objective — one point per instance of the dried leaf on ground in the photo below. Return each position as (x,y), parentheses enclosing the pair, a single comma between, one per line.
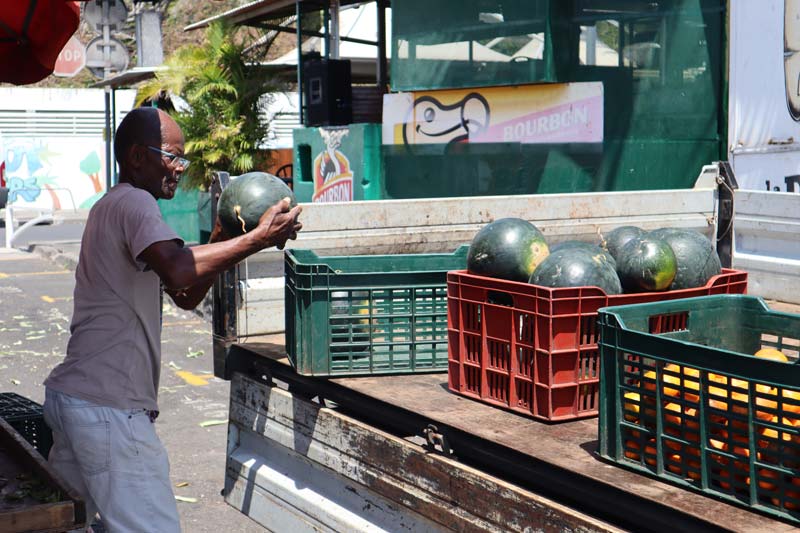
(208,423)
(192,354)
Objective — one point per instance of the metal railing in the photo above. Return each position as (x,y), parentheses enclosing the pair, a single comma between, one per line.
(45,216)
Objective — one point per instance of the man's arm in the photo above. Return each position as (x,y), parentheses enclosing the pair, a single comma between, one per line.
(191,297)
(189,272)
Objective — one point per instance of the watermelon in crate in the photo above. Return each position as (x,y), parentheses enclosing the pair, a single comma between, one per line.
(508,248)
(533,349)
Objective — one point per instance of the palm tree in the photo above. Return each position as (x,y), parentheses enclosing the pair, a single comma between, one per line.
(224,93)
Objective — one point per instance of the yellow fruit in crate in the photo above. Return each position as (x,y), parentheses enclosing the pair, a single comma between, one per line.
(673,413)
(633,449)
(718,396)
(776,446)
(682,423)
(632,404)
(739,392)
(770,433)
(649,380)
(719,473)
(673,462)
(772,353)
(791,401)
(794,494)
(721,446)
(767,479)
(689,381)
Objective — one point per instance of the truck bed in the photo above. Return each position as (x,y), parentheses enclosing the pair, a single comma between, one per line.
(554,462)
(558,461)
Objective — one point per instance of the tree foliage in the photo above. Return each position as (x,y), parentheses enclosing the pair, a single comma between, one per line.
(222,125)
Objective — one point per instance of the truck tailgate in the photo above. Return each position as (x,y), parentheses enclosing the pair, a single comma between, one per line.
(552,462)
(294,465)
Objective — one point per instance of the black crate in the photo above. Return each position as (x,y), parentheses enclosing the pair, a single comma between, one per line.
(27,418)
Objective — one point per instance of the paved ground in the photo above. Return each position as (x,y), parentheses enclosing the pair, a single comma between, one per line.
(36,301)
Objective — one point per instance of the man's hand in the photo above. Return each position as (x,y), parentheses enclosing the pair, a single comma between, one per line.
(279,224)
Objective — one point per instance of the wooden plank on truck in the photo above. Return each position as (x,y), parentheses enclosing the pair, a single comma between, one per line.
(430,492)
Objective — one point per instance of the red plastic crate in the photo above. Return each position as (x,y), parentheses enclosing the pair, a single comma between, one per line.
(533,349)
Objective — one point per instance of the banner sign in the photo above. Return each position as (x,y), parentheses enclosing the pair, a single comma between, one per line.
(525,114)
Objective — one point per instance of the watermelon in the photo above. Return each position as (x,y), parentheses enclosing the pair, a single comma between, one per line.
(646,264)
(577,267)
(696,257)
(617,238)
(508,248)
(247,198)
(589,247)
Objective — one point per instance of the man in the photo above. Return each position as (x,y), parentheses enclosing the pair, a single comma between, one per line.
(101,400)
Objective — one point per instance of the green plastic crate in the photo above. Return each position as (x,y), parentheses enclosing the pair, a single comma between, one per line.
(371,314)
(683,399)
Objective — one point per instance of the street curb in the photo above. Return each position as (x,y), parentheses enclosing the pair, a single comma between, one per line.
(51,253)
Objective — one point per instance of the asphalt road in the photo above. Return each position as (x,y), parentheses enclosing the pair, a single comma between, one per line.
(35,311)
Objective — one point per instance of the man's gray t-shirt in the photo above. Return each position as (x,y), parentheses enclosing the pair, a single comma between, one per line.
(114,351)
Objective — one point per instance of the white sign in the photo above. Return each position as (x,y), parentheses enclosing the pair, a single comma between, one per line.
(764,93)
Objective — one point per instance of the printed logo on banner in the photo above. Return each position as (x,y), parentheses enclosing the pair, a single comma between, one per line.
(333,178)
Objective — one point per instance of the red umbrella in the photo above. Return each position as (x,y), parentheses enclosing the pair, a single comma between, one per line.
(32,33)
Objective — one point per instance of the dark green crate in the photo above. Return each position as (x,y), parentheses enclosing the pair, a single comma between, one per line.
(371,314)
(700,410)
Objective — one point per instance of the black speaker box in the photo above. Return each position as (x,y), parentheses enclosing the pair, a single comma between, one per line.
(328,92)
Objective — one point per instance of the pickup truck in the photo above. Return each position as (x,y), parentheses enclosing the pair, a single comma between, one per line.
(401,452)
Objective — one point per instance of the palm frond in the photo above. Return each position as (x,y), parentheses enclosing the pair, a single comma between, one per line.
(223,128)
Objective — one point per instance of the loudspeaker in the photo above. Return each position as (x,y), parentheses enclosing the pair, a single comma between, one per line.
(328,92)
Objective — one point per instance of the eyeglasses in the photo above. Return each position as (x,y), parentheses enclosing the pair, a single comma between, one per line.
(174,160)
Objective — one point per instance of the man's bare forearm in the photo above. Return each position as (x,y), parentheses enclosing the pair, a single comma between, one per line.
(200,264)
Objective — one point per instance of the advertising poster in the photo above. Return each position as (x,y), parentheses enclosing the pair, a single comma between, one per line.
(540,113)
(333,175)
